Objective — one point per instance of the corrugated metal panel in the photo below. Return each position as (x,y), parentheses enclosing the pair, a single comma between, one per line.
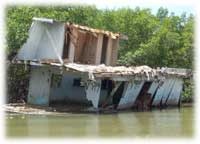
(45,41)
(130,94)
(174,97)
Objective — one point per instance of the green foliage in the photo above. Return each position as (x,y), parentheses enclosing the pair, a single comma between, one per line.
(171,44)
(156,40)
(188,91)
(17,83)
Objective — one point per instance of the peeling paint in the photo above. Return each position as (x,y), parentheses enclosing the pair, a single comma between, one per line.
(39,87)
(93,92)
(175,94)
(130,94)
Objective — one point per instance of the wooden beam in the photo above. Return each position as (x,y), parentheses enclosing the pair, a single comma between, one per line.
(73,41)
(99,49)
(115,45)
(109,51)
(71,52)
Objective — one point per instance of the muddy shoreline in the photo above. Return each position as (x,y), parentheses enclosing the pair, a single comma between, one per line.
(23,108)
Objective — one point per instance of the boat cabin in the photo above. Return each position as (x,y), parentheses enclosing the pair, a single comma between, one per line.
(74,64)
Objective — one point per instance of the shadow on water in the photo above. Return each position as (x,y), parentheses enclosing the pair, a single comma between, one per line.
(171,123)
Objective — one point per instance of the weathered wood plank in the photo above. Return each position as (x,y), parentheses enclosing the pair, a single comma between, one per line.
(89,49)
(73,40)
(99,49)
(71,52)
(115,45)
(80,47)
(109,51)
(93,92)
(174,97)
(39,86)
(131,91)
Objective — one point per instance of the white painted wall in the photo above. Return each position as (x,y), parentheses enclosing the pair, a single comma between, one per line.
(39,86)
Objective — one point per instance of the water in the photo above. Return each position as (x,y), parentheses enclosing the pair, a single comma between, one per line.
(166,123)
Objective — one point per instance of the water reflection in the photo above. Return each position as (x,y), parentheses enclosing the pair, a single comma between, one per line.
(165,123)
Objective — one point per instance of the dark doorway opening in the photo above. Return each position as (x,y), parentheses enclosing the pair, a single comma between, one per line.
(143,101)
(104,47)
(118,94)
